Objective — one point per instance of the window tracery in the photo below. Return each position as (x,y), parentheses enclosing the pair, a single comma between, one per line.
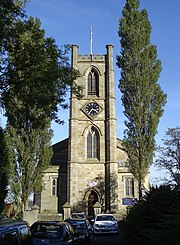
(93,143)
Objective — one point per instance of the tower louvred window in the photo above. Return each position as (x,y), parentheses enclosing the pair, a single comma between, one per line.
(93,83)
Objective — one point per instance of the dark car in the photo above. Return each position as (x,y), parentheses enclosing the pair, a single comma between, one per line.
(82,228)
(14,232)
(53,232)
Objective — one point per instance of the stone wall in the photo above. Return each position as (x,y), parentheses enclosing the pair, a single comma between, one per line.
(34,215)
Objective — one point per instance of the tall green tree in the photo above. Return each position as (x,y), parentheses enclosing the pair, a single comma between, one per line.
(142,97)
(36,79)
(6,167)
(168,155)
(32,156)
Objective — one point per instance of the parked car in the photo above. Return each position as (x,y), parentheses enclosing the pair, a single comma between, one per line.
(82,228)
(105,223)
(78,216)
(53,232)
(14,232)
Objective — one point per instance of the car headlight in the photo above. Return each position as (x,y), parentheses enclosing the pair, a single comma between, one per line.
(96,226)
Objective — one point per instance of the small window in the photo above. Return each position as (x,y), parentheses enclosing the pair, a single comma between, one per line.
(54,187)
(129,187)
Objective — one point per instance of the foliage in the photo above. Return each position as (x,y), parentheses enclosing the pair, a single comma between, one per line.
(6,158)
(155,219)
(10,10)
(168,155)
(32,156)
(37,76)
(15,190)
(142,97)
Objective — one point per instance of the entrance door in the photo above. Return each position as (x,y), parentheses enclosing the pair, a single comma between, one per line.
(92,199)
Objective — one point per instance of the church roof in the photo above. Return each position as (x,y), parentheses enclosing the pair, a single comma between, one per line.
(60,152)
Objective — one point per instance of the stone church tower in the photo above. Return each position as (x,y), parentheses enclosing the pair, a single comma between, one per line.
(90,165)
(92,130)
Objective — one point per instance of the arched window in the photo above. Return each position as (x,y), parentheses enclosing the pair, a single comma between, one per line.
(93,144)
(129,187)
(93,83)
(54,187)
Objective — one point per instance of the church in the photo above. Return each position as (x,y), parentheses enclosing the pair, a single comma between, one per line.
(90,165)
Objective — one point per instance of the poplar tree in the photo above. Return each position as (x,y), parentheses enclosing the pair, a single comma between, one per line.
(142,97)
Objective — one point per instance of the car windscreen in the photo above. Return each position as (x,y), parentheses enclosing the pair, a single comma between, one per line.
(77,224)
(48,231)
(78,216)
(105,217)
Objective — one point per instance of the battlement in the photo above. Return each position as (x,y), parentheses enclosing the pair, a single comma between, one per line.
(87,57)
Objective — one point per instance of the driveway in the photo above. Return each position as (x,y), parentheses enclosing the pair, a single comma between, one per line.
(109,239)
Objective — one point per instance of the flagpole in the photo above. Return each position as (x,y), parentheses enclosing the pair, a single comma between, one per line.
(91,53)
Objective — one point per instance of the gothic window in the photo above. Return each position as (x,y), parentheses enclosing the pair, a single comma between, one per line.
(54,187)
(93,144)
(93,83)
(129,187)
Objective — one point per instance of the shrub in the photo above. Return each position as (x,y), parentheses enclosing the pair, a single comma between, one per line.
(156,218)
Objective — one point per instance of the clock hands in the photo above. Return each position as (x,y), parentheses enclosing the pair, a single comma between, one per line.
(92,108)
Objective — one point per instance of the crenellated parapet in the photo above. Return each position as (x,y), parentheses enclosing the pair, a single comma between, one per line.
(86,57)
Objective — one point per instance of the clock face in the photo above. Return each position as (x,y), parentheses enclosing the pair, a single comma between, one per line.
(92,108)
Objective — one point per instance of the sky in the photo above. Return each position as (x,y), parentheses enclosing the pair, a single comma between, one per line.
(69,22)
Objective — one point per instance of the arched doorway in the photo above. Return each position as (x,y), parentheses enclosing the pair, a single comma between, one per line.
(92,199)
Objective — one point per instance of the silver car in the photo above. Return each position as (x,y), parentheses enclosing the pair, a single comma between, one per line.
(105,223)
